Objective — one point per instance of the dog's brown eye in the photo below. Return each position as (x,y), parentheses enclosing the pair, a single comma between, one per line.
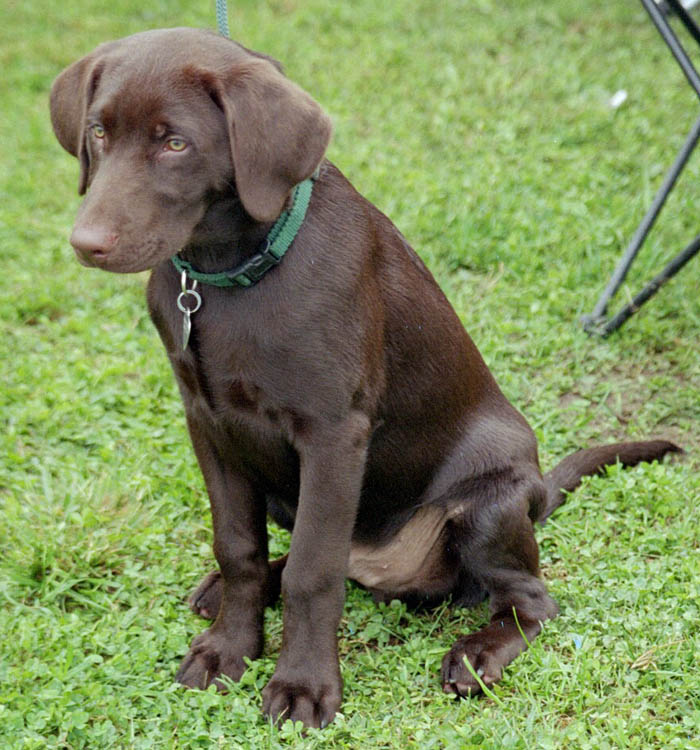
(98,131)
(176,144)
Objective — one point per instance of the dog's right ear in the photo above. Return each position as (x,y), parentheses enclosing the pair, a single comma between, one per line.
(71,95)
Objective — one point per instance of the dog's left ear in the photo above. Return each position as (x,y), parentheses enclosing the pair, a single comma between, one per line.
(278,134)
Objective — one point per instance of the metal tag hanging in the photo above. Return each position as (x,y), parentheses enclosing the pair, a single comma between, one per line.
(187,309)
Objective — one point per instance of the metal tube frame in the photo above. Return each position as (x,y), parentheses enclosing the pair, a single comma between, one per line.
(596,322)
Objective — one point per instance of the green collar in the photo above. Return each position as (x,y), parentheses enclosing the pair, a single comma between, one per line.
(277,243)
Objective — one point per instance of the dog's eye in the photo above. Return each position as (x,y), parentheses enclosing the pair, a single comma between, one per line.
(98,131)
(175,144)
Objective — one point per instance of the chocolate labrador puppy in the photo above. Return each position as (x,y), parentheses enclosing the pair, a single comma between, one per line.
(326,379)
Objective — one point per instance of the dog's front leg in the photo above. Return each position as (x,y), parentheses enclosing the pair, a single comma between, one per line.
(306,685)
(240,548)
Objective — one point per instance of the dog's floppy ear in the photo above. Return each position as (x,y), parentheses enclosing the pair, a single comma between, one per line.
(278,134)
(71,95)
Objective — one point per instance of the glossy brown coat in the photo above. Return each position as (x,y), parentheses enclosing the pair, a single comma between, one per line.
(340,395)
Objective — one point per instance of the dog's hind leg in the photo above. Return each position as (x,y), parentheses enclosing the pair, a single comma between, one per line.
(205,600)
(497,548)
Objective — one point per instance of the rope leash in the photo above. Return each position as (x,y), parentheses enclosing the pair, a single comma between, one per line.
(222,18)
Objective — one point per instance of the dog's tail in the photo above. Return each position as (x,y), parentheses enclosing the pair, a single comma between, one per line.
(567,474)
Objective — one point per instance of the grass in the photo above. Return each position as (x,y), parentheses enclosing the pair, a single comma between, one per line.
(483,129)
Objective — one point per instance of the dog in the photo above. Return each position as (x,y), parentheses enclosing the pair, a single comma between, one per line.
(327,381)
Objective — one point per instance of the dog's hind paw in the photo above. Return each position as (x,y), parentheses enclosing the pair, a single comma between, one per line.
(458,679)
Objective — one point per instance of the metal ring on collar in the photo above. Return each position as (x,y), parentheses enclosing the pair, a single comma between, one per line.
(197,301)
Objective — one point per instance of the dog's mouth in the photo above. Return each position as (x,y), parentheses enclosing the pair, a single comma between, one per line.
(91,259)
(119,260)
(102,260)
(107,261)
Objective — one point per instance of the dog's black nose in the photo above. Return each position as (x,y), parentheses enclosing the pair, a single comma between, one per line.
(93,242)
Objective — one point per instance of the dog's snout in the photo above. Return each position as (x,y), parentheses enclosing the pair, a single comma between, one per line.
(93,242)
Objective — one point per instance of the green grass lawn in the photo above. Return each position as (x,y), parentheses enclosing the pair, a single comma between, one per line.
(483,129)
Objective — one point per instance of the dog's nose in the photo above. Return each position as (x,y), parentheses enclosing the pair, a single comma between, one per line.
(93,242)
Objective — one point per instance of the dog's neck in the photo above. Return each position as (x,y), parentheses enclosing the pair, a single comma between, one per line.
(225,237)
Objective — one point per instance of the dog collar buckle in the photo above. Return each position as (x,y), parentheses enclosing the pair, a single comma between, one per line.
(255,267)
(278,240)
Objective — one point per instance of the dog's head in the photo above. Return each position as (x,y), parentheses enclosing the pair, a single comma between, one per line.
(165,121)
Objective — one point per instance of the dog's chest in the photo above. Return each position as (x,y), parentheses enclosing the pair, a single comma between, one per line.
(220,374)
(244,424)
(225,388)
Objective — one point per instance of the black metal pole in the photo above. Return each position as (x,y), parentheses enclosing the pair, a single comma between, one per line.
(686,18)
(652,287)
(593,321)
(672,41)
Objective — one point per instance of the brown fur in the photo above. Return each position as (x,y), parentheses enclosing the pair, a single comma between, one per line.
(341,394)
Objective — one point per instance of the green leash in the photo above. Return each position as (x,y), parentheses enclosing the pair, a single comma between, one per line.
(277,242)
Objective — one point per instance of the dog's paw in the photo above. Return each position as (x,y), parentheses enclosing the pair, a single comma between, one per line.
(456,677)
(307,701)
(211,656)
(205,600)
